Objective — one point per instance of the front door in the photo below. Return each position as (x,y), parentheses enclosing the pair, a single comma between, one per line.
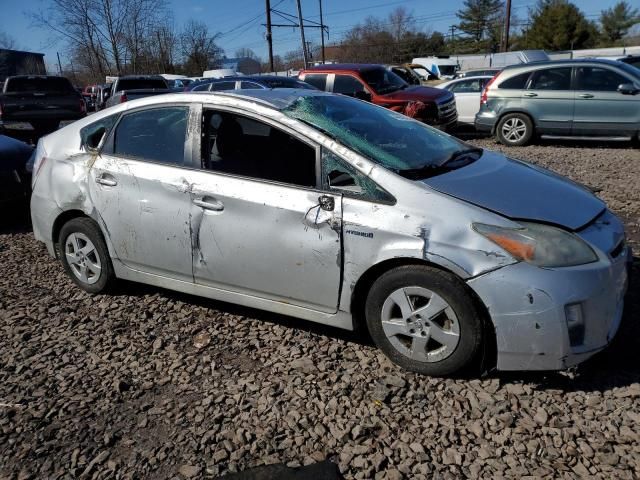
(140,192)
(549,99)
(260,224)
(600,108)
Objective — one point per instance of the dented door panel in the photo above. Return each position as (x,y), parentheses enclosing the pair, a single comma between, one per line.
(265,239)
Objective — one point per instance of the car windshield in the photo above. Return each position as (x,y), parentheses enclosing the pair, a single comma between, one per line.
(382,80)
(390,139)
(40,85)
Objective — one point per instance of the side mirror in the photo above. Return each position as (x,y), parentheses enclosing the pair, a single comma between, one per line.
(362,95)
(628,89)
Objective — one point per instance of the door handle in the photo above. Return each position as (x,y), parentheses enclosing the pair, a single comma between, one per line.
(585,95)
(530,94)
(209,203)
(106,180)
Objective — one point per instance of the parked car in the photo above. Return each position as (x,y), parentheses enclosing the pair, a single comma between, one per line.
(40,100)
(633,60)
(131,87)
(587,98)
(374,83)
(406,73)
(330,209)
(103,95)
(247,82)
(467,92)
(442,66)
(14,178)
(478,73)
(90,95)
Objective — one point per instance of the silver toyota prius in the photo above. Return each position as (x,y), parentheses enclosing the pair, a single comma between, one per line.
(330,209)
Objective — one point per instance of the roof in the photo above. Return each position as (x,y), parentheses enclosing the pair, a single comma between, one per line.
(351,67)
(278,99)
(22,52)
(575,61)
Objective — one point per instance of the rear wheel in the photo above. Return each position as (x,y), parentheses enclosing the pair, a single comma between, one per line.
(515,129)
(85,256)
(424,320)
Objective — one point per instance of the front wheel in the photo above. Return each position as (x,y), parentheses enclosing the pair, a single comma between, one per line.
(515,130)
(85,256)
(424,320)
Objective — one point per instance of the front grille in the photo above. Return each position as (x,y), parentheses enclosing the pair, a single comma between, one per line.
(447,111)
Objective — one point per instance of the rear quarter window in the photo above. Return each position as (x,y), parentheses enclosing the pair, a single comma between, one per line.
(517,82)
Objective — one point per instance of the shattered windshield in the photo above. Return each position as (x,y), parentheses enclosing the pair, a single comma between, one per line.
(390,139)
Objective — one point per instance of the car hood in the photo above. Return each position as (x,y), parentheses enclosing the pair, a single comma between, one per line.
(520,191)
(419,93)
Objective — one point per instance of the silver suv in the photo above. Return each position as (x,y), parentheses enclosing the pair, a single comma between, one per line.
(595,99)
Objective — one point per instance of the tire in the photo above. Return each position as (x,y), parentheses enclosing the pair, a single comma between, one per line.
(84,255)
(445,340)
(515,130)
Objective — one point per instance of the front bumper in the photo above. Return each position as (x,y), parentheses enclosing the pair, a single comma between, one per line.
(527,306)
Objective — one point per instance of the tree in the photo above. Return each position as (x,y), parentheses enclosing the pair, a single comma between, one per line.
(247,53)
(478,17)
(7,41)
(559,25)
(617,21)
(199,48)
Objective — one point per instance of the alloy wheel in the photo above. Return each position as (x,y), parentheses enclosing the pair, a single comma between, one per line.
(514,129)
(83,258)
(420,324)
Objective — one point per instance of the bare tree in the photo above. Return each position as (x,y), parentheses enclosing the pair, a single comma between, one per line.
(6,41)
(247,53)
(199,48)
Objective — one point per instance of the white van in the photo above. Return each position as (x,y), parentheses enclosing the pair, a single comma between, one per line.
(443,67)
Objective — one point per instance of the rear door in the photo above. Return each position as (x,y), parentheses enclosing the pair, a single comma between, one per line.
(599,108)
(549,99)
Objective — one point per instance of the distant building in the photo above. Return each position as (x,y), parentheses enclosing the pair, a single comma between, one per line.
(16,62)
(245,65)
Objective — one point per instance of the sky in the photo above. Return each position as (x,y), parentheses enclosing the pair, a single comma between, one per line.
(240,21)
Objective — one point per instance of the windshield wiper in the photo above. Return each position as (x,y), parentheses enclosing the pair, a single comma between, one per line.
(466,155)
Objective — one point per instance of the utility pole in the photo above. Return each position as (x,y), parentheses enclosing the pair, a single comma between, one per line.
(322,31)
(304,44)
(269,37)
(507,25)
(59,64)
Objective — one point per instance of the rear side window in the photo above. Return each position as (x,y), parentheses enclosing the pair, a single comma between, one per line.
(598,79)
(347,85)
(551,79)
(473,85)
(219,86)
(517,82)
(156,135)
(317,80)
(40,85)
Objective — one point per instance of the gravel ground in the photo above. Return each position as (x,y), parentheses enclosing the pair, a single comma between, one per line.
(147,383)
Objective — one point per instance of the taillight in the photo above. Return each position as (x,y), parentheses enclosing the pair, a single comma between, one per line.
(123,98)
(485,90)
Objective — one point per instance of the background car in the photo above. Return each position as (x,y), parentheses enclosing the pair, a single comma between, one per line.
(467,92)
(406,73)
(132,87)
(14,178)
(374,83)
(478,73)
(586,98)
(247,82)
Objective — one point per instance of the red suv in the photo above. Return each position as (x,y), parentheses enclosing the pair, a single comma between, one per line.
(378,85)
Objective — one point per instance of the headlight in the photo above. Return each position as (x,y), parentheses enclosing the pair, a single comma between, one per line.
(540,244)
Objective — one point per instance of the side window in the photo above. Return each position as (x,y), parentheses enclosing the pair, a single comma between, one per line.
(201,88)
(467,86)
(318,80)
(249,85)
(218,86)
(347,85)
(91,136)
(339,176)
(517,82)
(240,145)
(157,135)
(598,79)
(551,79)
